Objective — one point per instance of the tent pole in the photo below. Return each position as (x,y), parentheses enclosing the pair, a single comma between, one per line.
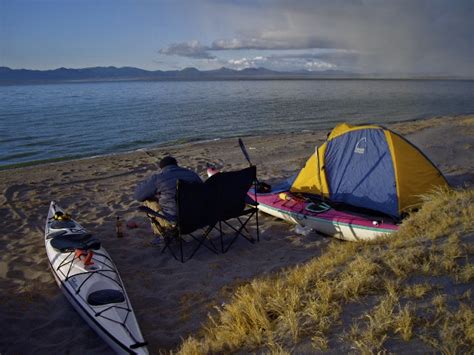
(319,172)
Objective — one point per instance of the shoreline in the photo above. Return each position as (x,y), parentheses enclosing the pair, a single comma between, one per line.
(177,144)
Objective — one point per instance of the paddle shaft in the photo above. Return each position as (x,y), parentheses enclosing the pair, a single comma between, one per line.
(247,157)
(148,153)
(244,150)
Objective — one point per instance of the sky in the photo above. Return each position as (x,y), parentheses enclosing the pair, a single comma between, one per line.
(363,36)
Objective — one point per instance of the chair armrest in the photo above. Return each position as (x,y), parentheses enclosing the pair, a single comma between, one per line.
(150,212)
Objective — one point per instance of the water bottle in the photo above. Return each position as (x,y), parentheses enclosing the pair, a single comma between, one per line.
(118,228)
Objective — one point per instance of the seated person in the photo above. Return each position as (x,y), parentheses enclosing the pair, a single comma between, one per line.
(158,192)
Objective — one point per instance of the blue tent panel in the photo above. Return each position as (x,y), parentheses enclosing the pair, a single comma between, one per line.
(359,171)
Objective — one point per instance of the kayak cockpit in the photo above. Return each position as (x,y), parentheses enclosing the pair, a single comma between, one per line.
(104,297)
(69,242)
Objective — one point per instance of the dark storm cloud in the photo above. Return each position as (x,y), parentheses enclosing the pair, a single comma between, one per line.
(434,36)
(192,49)
(270,44)
(391,36)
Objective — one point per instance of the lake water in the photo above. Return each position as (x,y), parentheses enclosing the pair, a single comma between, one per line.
(49,122)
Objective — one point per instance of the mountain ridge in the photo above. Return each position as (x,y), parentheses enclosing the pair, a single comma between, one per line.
(112,73)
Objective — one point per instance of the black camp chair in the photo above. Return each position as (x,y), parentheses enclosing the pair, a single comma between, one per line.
(196,205)
(234,204)
(203,206)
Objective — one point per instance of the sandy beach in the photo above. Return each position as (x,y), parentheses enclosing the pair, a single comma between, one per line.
(171,300)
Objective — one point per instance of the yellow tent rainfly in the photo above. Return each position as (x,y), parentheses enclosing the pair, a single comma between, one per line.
(369,167)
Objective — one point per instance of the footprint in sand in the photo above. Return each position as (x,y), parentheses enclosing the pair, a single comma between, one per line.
(15,274)
(103,212)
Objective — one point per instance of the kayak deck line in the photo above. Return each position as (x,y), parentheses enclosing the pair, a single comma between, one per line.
(91,282)
(105,331)
(67,276)
(71,262)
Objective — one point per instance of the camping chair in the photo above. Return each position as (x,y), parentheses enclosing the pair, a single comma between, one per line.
(196,206)
(202,206)
(234,203)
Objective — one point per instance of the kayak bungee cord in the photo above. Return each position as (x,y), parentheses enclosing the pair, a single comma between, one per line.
(90,280)
(69,262)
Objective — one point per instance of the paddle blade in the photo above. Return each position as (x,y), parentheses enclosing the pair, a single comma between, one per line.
(244,150)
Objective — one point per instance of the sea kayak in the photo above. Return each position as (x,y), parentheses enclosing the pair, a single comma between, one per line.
(318,215)
(90,281)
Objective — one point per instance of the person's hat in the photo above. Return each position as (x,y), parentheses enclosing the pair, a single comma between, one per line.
(169,160)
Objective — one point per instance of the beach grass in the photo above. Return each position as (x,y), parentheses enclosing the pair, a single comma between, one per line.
(411,291)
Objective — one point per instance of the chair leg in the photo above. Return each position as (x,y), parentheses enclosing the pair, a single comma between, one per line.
(202,242)
(239,232)
(168,242)
(245,229)
(256,221)
(221,236)
(168,245)
(178,251)
(181,247)
(256,206)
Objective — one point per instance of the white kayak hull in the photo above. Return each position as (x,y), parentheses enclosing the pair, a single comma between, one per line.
(95,290)
(338,224)
(336,230)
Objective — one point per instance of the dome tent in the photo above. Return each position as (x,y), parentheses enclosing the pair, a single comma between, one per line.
(369,167)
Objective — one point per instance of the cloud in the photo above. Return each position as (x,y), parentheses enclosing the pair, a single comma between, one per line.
(270,44)
(402,36)
(244,62)
(276,58)
(319,65)
(280,62)
(326,59)
(423,36)
(191,49)
(292,56)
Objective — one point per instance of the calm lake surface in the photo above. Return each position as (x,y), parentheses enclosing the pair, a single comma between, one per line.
(49,122)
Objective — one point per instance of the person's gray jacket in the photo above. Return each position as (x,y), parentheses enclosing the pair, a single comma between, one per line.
(162,188)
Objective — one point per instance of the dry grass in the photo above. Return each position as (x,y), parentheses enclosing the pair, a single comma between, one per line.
(450,332)
(466,273)
(275,314)
(386,319)
(417,290)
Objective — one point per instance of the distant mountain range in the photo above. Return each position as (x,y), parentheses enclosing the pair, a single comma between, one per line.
(26,76)
(8,75)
